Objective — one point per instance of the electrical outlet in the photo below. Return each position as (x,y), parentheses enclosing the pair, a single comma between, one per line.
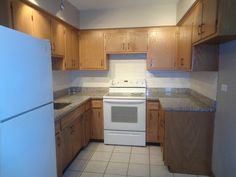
(224,87)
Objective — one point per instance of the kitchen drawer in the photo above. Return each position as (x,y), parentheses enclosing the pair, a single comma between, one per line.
(70,117)
(153,105)
(96,103)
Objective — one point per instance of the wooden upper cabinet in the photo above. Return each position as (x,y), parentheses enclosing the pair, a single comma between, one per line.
(197,22)
(138,41)
(184,56)
(126,41)
(41,25)
(209,17)
(91,49)
(57,38)
(22,16)
(115,42)
(71,49)
(162,46)
(30,21)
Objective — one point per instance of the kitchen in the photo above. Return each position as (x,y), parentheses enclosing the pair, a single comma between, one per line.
(189,92)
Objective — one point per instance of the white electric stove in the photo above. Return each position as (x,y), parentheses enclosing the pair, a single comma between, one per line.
(125,113)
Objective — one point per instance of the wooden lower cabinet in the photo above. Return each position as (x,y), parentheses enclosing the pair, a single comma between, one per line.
(86,127)
(58,139)
(188,142)
(152,135)
(97,128)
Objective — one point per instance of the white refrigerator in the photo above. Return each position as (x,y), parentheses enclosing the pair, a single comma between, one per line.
(27,140)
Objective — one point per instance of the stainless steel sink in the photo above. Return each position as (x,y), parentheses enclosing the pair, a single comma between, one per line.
(60,105)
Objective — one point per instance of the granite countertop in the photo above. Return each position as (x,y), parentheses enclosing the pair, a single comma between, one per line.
(181,100)
(76,100)
(185,100)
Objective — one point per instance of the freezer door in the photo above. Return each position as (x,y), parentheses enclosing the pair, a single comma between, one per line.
(28,145)
(25,73)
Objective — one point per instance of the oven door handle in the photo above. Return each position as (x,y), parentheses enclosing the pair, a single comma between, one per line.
(125,101)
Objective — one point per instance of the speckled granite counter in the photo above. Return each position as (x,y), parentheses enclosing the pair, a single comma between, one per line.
(77,100)
(176,100)
(182,100)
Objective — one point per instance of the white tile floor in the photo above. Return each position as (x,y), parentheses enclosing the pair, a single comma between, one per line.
(99,160)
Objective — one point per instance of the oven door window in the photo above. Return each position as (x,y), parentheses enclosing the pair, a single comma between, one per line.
(124,114)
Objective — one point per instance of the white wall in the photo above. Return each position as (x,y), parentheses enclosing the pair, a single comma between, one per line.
(182,8)
(129,68)
(70,14)
(204,83)
(61,80)
(224,147)
(135,16)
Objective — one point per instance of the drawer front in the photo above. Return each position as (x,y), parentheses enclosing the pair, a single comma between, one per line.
(153,105)
(96,103)
(70,117)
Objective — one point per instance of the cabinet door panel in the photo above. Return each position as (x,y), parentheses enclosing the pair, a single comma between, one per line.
(137,41)
(152,126)
(115,42)
(42,25)
(209,17)
(91,49)
(197,22)
(67,153)
(22,17)
(58,38)
(97,130)
(59,154)
(162,46)
(185,44)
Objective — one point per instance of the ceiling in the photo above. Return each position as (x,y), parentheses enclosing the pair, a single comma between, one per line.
(106,4)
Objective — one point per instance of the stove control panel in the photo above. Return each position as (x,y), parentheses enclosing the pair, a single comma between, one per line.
(128,83)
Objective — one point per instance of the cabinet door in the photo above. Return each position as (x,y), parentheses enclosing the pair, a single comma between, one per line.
(137,41)
(91,49)
(77,133)
(152,126)
(184,57)
(22,17)
(209,17)
(162,46)
(59,154)
(68,49)
(41,25)
(97,130)
(58,38)
(67,148)
(87,126)
(115,42)
(197,22)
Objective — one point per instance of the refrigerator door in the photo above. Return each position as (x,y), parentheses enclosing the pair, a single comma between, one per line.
(27,145)
(25,73)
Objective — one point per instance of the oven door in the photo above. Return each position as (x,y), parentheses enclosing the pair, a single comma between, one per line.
(124,114)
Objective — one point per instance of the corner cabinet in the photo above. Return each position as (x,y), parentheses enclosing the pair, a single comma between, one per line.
(162,48)
(91,47)
(214,21)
